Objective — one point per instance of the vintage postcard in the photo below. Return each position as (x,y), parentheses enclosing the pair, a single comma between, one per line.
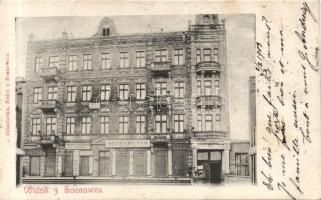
(160,100)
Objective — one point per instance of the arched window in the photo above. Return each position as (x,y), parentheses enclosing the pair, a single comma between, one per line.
(106,30)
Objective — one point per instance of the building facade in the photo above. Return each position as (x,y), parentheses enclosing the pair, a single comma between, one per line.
(143,107)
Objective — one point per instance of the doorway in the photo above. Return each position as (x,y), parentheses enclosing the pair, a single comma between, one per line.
(215,172)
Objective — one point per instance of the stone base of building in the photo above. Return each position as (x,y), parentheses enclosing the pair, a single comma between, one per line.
(105,180)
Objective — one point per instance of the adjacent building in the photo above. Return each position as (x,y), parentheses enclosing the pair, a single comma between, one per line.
(145,107)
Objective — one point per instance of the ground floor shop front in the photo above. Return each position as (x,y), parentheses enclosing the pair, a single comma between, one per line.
(196,161)
(109,158)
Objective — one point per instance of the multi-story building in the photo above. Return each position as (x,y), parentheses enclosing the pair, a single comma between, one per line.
(252,149)
(147,107)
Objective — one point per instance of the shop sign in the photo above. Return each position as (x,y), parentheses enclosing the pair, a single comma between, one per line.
(126,143)
(34,152)
(77,145)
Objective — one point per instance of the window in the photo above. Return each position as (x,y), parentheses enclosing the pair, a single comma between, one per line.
(85,125)
(161,123)
(199,88)
(37,94)
(179,123)
(178,56)
(123,91)
(140,59)
(87,62)
(52,93)
(207,54)
(198,55)
(106,30)
(215,55)
(199,122)
(179,89)
(241,164)
(208,87)
(104,92)
(38,63)
(72,63)
(70,125)
(35,126)
(124,60)
(53,61)
(71,93)
(123,124)
(140,124)
(217,87)
(51,126)
(140,91)
(104,125)
(105,61)
(208,123)
(161,55)
(86,92)
(161,88)
(217,117)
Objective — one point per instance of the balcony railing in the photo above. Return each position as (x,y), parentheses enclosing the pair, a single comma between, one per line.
(208,66)
(208,134)
(48,105)
(209,100)
(161,102)
(163,66)
(43,139)
(49,73)
(200,27)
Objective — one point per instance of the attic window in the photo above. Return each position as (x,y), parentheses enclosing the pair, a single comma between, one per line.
(106,30)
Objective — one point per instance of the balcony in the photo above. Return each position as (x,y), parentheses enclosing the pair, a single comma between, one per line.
(201,27)
(208,134)
(48,106)
(160,138)
(209,100)
(49,73)
(160,102)
(208,66)
(160,68)
(43,139)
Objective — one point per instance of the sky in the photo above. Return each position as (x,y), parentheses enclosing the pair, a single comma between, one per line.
(240,48)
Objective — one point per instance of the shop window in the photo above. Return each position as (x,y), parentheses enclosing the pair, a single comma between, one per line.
(241,164)
(68,164)
(140,163)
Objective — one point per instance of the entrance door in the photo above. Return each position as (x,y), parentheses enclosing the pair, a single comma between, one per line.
(122,163)
(160,163)
(50,163)
(84,166)
(215,172)
(139,163)
(179,163)
(68,165)
(103,164)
